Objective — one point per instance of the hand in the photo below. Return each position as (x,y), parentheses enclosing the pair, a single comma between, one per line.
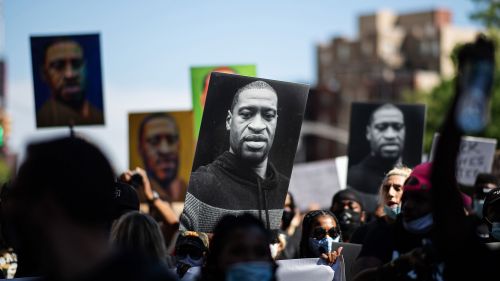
(146,184)
(331,258)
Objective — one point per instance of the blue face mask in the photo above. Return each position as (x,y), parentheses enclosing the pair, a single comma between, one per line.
(250,271)
(322,246)
(392,212)
(495,230)
(419,226)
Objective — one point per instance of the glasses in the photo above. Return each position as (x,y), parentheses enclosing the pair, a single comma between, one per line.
(194,253)
(320,233)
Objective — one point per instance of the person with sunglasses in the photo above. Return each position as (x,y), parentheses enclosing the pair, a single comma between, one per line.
(191,250)
(320,229)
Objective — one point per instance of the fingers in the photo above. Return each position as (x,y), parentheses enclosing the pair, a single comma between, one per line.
(330,258)
(339,250)
(125,176)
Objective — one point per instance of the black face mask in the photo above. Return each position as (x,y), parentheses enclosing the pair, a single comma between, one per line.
(286,219)
(349,221)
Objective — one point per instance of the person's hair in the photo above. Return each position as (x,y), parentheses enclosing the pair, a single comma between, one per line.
(139,233)
(259,84)
(309,219)
(152,116)
(57,40)
(485,178)
(383,107)
(72,172)
(398,170)
(346,194)
(222,233)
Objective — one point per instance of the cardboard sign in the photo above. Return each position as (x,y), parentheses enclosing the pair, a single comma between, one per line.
(162,143)
(67,80)
(245,150)
(314,183)
(200,78)
(475,156)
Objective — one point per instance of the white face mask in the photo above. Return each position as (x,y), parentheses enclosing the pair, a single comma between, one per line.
(419,226)
(392,212)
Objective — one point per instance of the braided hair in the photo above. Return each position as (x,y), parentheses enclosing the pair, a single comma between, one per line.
(307,224)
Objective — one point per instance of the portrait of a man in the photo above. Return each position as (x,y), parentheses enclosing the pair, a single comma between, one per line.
(158,149)
(244,177)
(384,138)
(67,87)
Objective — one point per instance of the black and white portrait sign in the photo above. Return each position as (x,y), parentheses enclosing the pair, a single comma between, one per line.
(382,136)
(245,151)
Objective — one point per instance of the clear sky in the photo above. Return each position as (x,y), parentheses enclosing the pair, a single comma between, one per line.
(148,47)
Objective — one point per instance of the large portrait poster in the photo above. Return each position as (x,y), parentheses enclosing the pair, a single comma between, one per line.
(245,151)
(200,78)
(381,136)
(67,80)
(162,143)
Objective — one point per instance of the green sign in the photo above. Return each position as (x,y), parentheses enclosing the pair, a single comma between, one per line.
(200,77)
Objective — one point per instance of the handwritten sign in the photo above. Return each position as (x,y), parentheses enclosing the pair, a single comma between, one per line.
(314,183)
(475,156)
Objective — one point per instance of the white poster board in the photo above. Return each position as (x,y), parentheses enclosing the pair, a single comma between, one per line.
(309,269)
(314,183)
(475,156)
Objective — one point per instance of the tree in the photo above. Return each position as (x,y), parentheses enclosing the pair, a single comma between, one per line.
(439,98)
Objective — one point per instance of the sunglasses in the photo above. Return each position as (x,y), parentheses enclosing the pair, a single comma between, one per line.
(320,233)
(192,252)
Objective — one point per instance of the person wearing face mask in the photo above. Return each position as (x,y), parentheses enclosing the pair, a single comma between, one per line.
(290,229)
(491,214)
(239,250)
(390,193)
(412,229)
(320,229)
(191,250)
(483,185)
(348,209)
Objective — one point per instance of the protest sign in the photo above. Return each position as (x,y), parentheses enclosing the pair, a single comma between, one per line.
(200,78)
(381,136)
(245,150)
(162,143)
(314,183)
(67,80)
(475,156)
(304,269)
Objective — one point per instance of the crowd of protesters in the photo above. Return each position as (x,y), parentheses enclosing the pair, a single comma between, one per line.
(67,216)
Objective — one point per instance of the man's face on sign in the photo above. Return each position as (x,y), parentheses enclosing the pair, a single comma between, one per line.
(64,71)
(386,133)
(159,147)
(252,124)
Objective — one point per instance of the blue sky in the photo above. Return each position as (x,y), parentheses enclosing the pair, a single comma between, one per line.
(148,47)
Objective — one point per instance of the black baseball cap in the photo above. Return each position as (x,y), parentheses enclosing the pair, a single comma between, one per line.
(492,197)
(126,199)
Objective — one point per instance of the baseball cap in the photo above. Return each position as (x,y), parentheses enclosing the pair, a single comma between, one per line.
(420,178)
(126,199)
(192,238)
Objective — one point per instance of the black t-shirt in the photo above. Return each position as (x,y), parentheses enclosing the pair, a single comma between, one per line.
(382,239)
